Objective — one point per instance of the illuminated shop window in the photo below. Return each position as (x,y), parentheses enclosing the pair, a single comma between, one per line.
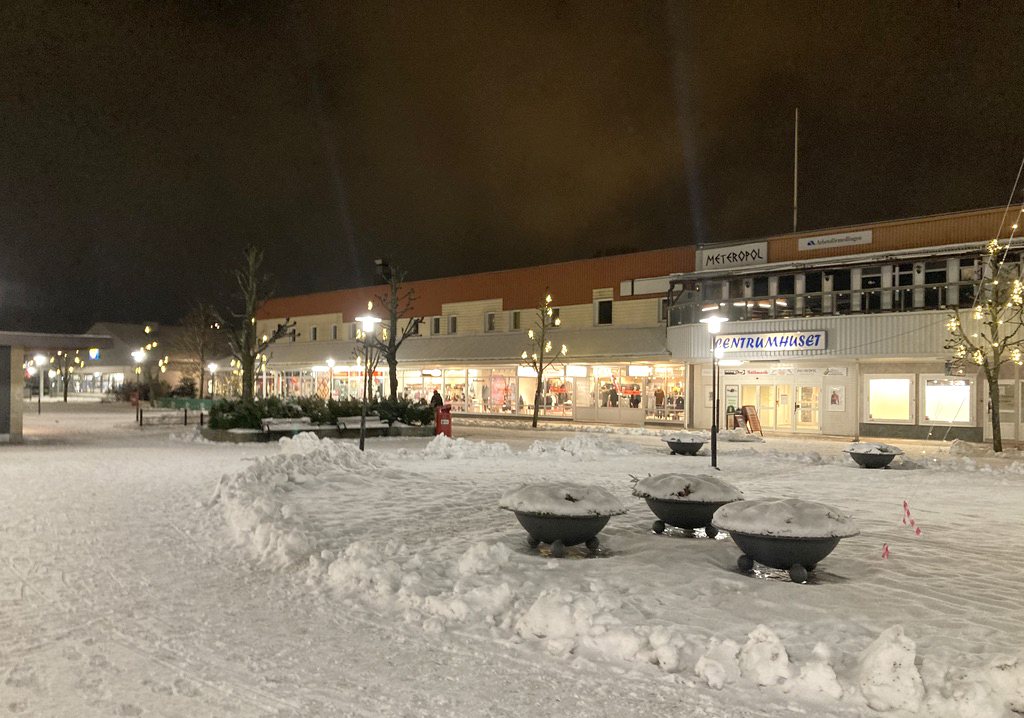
(947,400)
(890,399)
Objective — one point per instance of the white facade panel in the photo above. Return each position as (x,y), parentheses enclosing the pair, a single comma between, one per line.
(866,336)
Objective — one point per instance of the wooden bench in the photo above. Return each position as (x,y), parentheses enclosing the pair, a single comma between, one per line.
(349,426)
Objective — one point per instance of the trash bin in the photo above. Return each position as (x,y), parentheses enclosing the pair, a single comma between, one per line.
(443,420)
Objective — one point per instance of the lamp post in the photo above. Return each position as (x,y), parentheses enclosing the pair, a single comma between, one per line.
(330,377)
(42,379)
(213,378)
(714,323)
(368,323)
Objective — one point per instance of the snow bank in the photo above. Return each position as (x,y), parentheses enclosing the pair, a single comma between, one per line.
(443,447)
(686,487)
(794,518)
(887,675)
(561,499)
(581,447)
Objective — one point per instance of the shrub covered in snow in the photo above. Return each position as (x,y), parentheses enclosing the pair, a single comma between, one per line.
(686,487)
(561,499)
(793,518)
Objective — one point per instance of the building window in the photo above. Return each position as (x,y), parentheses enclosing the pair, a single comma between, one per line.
(890,399)
(353,331)
(948,400)
(414,327)
(663,309)
(334,332)
(935,284)
(489,322)
(841,291)
(453,324)
(968,279)
(514,319)
(435,325)
(812,293)
(871,283)
(604,312)
(556,313)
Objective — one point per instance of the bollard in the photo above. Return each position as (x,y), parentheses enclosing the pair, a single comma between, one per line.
(140,416)
(200,417)
(186,416)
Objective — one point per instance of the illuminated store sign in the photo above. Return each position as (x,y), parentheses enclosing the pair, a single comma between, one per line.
(771,341)
(738,255)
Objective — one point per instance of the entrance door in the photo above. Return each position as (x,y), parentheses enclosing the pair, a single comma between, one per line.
(784,405)
(808,408)
(766,405)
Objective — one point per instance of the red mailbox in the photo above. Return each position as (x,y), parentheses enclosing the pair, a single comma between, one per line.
(443,420)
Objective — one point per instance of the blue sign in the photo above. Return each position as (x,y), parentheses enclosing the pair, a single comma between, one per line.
(94,353)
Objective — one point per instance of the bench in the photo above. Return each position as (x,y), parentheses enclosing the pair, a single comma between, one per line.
(349,426)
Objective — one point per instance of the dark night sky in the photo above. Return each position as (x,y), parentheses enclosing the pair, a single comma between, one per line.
(144,144)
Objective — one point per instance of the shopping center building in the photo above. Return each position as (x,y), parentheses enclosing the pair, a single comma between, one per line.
(839,331)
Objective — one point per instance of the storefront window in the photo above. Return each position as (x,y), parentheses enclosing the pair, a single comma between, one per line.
(948,401)
(454,391)
(889,399)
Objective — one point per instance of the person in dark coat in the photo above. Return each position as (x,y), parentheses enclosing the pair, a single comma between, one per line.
(436,402)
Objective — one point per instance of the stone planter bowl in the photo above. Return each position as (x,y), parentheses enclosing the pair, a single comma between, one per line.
(872,461)
(562,531)
(796,555)
(686,448)
(684,514)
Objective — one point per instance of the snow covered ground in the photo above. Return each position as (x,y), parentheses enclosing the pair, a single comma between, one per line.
(147,573)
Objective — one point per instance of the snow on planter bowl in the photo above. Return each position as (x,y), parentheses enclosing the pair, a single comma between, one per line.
(562,514)
(872,455)
(684,443)
(686,501)
(790,534)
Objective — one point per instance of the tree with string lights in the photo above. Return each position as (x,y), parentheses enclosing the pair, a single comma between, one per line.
(541,355)
(993,334)
(65,363)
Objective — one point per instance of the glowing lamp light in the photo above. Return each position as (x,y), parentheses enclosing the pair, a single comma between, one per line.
(212,367)
(714,323)
(368,322)
(39,358)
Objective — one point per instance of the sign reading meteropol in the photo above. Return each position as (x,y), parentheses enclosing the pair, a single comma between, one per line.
(771,342)
(737,255)
(834,240)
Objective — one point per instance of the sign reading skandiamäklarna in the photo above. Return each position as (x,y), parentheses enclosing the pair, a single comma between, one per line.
(772,342)
(834,240)
(737,255)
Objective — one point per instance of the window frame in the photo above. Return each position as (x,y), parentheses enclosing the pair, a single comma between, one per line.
(597,312)
(912,395)
(973,400)
(453,324)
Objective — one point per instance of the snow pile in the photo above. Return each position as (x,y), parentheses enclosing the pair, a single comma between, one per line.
(739,435)
(794,518)
(259,504)
(763,659)
(191,436)
(561,499)
(816,677)
(720,665)
(887,675)
(686,487)
(443,447)
(581,448)
(869,447)
(959,447)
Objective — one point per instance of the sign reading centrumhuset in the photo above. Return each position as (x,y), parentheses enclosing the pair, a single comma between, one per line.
(772,342)
(737,255)
(834,240)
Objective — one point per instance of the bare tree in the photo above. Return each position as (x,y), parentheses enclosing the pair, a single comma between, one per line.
(246,347)
(993,335)
(196,342)
(541,356)
(398,304)
(65,364)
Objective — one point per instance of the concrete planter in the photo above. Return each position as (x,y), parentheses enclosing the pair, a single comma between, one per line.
(796,555)
(562,531)
(685,448)
(684,514)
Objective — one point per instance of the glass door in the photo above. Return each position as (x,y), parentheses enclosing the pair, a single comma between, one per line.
(808,408)
(784,406)
(766,405)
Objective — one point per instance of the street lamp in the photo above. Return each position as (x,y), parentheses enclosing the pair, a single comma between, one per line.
(714,324)
(213,378)
(39,373)
(330,377)
(368,323)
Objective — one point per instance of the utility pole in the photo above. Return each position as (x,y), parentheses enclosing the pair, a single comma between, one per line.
(796,154)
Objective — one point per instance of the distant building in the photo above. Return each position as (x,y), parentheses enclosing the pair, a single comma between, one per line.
(835,331)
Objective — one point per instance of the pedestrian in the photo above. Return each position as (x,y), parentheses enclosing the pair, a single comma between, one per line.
(436,402)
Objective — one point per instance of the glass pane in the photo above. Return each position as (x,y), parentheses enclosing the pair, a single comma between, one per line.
(948,400)
(889,399)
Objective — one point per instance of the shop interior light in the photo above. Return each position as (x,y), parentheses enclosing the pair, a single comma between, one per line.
(431,372)
(730,362)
